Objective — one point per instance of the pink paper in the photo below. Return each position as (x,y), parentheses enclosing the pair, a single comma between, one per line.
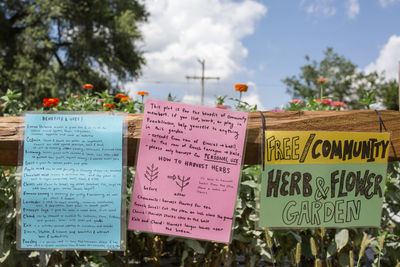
(188,170)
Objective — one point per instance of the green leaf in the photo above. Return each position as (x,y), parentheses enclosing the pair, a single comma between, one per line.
(253,259)
(250,183)
(296,236)
(331,249)
(258,234)
(241,238)
(254,217)
(265,253)
(11,215)
(4,257)
(251,204)
(341,238)
(34,254)
(2,234)
(195,245)
(344,259)
(185,254)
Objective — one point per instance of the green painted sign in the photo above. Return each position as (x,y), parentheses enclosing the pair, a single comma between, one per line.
(323,179)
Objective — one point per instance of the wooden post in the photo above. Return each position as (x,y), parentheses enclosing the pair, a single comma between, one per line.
(399,87)
(202,78)
(11,130)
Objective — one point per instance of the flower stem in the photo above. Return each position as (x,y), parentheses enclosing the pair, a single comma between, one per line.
(321,92)
(272,256)
(379,259)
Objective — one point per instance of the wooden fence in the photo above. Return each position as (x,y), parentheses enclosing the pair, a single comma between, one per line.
(11,129)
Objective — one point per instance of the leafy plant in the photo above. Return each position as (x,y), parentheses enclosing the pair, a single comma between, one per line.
(367,99)
(11,104)
(221,99)
(243,105)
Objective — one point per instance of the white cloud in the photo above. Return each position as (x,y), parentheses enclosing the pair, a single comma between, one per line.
(388,60)
(179,32)
(195,100)
(327,8)
(386,3)
(319,7)
(353,8)
(252,97)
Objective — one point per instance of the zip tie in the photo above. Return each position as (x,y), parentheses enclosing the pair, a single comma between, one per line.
(380,120)
(263,140)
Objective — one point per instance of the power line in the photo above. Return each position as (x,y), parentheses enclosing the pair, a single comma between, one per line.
(202,78)
(223,83)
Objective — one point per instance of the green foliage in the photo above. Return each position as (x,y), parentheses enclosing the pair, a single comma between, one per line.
(172,98)
(367,99)
(221,99)
(98,102)
(48,47)
(389,94)
(243,105)
(314,104)
(345,82)
(335,68)
(11,104)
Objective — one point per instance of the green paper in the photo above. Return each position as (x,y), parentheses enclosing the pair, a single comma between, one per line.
(351,198)
(321,193)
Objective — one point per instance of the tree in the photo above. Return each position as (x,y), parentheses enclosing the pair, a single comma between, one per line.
(52,47)
(389,94)
(345,82)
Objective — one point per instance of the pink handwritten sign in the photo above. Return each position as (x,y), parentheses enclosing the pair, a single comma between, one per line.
(188,170)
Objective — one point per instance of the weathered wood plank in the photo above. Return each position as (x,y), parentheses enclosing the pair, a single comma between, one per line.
(11,129)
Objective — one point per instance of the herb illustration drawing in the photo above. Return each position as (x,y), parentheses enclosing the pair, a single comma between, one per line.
(151,173)
(183,182)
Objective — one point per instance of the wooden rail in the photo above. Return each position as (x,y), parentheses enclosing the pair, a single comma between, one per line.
(11,129)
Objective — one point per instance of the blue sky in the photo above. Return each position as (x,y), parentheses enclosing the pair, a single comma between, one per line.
(260,43)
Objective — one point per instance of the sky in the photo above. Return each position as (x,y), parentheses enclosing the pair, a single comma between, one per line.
(259,43)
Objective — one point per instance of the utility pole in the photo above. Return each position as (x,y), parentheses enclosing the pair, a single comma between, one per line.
(399,87)
(202,78)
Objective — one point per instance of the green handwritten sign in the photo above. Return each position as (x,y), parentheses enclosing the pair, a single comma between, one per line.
(323,179)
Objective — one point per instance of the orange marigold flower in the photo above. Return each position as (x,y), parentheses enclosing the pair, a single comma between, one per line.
(87,86)
(241,87)
(109,106)
(125,99)
(6,172)
(50,102)
(142,93)
(322,80)
(45,100)
(120,95)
